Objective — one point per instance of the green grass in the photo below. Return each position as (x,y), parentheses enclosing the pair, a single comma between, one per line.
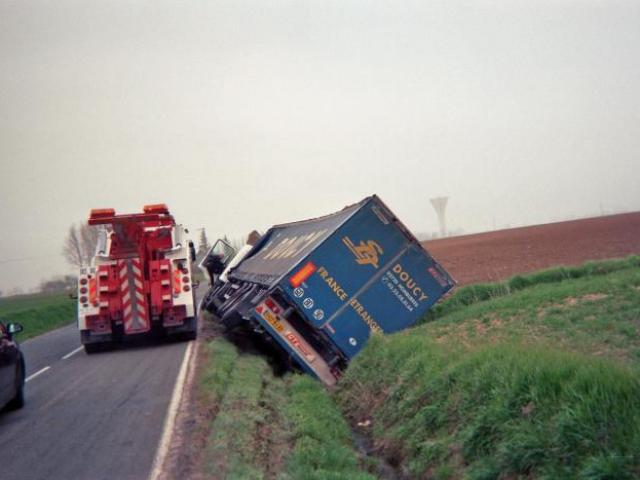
(471,294)
(538,380)
(38,313)
(267,427)
(598,315)
(323,443)
(496,411)
(232,384)
(536,377)
(233,443)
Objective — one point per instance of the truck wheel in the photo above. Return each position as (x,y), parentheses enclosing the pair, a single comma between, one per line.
(207,301)
(192,333)
(17,401)
(91,348)
(187,336)
(232,319)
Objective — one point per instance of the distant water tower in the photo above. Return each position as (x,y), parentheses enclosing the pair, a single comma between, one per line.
(440,205)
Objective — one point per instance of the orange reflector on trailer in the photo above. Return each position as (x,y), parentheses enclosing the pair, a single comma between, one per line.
(302,274)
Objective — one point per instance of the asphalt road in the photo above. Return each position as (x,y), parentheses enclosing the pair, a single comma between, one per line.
(88,417)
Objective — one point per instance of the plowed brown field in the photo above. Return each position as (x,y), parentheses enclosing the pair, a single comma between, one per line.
(491,256)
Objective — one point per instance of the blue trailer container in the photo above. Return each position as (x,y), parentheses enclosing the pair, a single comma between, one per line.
(320,288)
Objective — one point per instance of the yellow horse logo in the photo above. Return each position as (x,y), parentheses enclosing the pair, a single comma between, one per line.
(366,253)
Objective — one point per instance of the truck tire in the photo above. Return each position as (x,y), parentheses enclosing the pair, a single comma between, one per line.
(188,336)
(231,319)
(192,333)
(91,348)
(207,301)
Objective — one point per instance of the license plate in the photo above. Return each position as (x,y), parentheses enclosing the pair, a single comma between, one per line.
(273,321)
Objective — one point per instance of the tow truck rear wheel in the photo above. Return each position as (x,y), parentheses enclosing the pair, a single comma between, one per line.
(189,336)
(192,333)
(90,348)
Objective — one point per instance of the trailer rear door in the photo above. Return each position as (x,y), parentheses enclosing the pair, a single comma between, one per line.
(370,275)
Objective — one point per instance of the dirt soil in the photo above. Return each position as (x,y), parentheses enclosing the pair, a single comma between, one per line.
(492,256)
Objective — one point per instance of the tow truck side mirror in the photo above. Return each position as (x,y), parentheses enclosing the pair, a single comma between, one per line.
(192,251)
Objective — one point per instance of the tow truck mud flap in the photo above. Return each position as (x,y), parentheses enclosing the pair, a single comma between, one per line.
(132,295)
(289,339)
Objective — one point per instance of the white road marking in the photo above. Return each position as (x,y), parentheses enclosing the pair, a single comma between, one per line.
(34,375)
(70,354)
(170,419)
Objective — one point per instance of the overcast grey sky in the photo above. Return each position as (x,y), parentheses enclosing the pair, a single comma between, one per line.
(239,115)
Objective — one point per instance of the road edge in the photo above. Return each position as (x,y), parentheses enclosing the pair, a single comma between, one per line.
(170,419)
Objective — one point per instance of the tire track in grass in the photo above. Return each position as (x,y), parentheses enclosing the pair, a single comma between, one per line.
(270,427)
(323,445)
(248,436)
(232,443)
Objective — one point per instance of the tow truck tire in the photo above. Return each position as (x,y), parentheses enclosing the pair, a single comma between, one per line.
(91,348)
(192,333)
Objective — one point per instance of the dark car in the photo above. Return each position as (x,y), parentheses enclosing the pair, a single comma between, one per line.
(11,368)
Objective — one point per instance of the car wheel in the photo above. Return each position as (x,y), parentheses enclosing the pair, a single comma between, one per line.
(18,401)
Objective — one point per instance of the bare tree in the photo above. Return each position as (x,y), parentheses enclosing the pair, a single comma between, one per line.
(80,244)
(88,240)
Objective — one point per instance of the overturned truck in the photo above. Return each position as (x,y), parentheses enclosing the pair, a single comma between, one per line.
(319,288)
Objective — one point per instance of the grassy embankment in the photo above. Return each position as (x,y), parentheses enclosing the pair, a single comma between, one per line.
(265,426)
(536,377)
(38,313)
